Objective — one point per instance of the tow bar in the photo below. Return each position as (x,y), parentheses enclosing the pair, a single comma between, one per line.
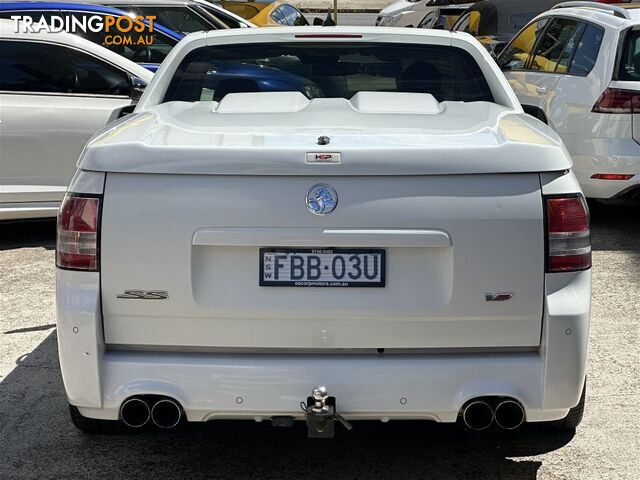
(321,414)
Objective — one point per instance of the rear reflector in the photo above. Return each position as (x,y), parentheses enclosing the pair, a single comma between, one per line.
(77,236)
(568,234)
(615,100)
(611,176)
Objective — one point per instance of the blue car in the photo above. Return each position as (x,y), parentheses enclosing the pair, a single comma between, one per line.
(230,77)
(148,54)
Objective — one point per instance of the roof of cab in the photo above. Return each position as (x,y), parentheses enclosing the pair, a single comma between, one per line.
(341,34)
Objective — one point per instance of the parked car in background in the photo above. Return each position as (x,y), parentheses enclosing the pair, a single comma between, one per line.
(149,55)
(443,18)
(235,246)
(243,77)
(56,90)
(267,13)
(578,70)
(495,22)
(411,13)
(182,16)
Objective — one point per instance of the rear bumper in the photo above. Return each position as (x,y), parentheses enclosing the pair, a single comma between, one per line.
(606,189)
(366,387)
(606,155)
(427,386)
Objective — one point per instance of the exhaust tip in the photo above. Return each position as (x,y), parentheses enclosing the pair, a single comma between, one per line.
(135,413)
(509,415)
(166,413)
(478,415)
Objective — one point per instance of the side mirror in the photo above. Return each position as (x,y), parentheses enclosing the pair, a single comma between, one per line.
(137,88)
(318,22)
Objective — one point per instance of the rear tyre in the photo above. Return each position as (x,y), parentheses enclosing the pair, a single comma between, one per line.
(574,417)
(93,425)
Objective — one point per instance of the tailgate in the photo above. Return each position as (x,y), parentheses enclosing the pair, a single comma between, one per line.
(448,241)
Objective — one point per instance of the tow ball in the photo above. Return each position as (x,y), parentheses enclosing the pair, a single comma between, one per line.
(321,414)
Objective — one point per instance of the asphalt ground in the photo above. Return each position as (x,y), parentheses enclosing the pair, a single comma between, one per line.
(37,439)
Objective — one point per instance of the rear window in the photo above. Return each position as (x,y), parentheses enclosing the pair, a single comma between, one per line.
(329,70)
(630,62)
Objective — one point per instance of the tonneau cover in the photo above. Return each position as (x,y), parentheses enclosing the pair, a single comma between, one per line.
(203,138)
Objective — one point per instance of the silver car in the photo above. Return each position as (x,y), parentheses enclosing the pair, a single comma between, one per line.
(56,90)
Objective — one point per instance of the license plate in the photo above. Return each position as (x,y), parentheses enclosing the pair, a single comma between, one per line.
(322,267)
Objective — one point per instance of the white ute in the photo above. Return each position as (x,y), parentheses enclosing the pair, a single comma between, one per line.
(366,225)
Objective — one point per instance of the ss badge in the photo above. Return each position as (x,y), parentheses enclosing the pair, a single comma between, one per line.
(144,294)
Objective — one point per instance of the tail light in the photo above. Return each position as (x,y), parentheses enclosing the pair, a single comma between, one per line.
(568,235)
(615,100)
(77,237)
(611,176)
(329,35)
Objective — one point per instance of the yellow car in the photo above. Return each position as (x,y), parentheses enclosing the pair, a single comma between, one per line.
(266,13)
(495,22)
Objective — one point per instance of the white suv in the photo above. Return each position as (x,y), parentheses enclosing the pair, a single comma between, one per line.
(577,68)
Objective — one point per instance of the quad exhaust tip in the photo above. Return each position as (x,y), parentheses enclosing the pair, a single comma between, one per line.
(166,413)
(509,414)
(478,415)
(135,413)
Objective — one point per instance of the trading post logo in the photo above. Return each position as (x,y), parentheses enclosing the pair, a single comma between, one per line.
(116,30)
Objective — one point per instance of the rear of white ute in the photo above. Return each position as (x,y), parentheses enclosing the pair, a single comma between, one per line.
(394,240)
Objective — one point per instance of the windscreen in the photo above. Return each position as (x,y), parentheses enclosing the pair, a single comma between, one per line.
(331,70)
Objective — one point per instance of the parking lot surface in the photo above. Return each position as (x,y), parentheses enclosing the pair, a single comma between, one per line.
(37,439)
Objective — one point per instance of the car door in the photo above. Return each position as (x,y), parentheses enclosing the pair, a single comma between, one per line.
(52,99)
(515,59)
(585,75)
(536,59)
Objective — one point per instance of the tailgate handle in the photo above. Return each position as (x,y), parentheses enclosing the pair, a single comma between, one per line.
(316,237)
